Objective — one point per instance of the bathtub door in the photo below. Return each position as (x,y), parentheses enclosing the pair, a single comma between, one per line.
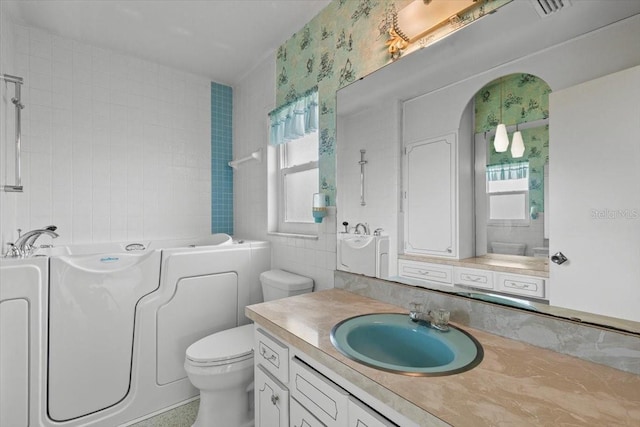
(200,306)
(93,302)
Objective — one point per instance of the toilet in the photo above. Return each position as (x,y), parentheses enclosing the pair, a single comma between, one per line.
(221,365)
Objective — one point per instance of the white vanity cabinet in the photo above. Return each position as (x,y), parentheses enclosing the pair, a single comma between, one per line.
(437,182)
(452,275)
(473,277)
(271,400)
(305,397)
(360,415)
(271,396)
(300,417)
(320,396)
(438,273)
(429,196)
(520,285)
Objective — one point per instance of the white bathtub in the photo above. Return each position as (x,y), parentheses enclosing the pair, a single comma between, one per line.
(201,286)
(23,312)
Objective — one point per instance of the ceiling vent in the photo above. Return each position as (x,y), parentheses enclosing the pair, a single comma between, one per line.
(548,7)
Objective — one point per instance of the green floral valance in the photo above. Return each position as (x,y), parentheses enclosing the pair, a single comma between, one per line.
(295,119)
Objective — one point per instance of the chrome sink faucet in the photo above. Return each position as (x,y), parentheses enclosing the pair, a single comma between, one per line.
(365,228)
(437,319)
(24,245)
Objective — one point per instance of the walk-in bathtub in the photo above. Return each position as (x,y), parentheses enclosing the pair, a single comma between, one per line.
(118,323)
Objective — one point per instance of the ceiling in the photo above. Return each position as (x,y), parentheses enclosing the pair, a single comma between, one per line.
(222,40)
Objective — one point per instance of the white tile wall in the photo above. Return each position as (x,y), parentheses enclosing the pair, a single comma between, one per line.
(376,131)
(531,235)
(115,147)
(7,117)
(253,98)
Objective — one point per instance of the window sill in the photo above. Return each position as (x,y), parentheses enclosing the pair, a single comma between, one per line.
(295,235)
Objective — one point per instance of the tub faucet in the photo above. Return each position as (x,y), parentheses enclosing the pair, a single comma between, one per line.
(365,228)
(24,245)
(436,319)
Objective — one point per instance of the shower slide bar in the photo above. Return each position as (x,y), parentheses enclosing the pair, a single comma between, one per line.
(17,187)
(362,162)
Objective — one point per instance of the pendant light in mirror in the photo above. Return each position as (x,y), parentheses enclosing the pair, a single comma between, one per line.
(501,141)
(517,145)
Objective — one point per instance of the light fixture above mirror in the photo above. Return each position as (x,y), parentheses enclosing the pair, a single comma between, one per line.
(420,20)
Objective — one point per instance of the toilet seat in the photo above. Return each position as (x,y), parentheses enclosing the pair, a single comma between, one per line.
(222,348)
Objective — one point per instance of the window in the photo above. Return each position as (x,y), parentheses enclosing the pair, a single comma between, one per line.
(293,165)
(508,191)
(297,180)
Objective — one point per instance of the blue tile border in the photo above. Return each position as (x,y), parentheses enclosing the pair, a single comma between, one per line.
(221,154)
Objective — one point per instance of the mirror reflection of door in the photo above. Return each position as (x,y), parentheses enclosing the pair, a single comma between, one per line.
(510,183)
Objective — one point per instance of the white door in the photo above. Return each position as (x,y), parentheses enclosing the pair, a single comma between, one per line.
(429,168)
(271,401)
(595,197)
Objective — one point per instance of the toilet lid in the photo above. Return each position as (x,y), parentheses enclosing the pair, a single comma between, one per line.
(224,345)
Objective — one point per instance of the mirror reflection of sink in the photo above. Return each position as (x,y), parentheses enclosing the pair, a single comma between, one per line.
(393,342)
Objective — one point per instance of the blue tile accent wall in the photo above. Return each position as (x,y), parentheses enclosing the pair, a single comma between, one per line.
(221,154)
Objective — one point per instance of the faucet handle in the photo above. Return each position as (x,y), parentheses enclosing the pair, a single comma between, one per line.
(12,252)
(440,319)
(415,311)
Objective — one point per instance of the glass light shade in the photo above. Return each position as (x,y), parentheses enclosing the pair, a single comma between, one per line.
(501,141)
(517,145)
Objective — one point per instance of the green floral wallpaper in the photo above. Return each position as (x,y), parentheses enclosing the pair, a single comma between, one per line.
(524,98)
(342,43)
(516,98)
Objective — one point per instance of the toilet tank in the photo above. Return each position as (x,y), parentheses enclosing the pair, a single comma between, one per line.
(278,284)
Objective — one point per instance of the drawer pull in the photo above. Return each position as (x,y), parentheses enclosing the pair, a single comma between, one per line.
(275,399)
(269,358)
(471,278)
(518,285)
(423,272)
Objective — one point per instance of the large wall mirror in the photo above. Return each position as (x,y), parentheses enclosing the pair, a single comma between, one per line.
(527,205)
(511,180)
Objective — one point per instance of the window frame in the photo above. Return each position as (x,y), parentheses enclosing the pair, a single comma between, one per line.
(284,226)
(526,221)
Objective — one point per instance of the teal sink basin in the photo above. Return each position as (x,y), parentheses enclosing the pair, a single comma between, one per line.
(393,342)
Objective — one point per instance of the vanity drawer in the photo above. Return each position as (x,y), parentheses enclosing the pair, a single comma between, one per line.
(319,395)
(470,277)
(362,415)
(300,417)
(272,354)
(425,271)
(521,285)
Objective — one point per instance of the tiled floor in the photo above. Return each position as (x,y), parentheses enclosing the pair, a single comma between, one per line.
(182,416)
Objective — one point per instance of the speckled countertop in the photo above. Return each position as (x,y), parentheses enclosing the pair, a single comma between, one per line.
(494,262)
(515,385)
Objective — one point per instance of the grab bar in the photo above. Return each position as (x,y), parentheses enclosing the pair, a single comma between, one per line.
(256,155)
(17,187)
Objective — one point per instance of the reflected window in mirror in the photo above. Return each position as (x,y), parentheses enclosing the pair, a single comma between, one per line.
(510,190)
(508,193)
